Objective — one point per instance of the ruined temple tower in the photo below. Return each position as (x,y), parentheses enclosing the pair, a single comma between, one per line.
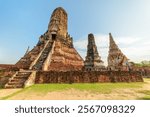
(55,50)
(116,59)
(93,60)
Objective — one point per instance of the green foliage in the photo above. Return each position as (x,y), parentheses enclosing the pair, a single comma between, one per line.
(143,64)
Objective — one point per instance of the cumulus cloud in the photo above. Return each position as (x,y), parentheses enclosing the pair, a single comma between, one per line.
(136,49)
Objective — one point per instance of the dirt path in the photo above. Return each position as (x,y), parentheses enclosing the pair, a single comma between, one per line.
(6,92)
(74,94)
(147,85)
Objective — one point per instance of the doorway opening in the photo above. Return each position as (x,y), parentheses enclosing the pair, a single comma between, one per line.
(53,36)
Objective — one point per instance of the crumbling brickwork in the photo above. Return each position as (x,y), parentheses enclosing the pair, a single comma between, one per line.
(87,77)
(93,61)
(5,74)
(116,59)
(54,50)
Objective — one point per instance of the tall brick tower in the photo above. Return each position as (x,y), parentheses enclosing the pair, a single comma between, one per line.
(93,60)
(55,50)
(116,59)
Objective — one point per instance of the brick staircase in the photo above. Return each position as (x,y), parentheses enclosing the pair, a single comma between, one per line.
(40,61)
(18,80)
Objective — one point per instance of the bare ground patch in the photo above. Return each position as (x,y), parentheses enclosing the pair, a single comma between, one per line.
(74,94)
(6,92)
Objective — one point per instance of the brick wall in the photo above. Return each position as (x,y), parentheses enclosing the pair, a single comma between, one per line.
(87,77)
(6,72)
(8,67)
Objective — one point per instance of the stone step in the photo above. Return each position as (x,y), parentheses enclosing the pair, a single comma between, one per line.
(14,83)
(20,77)
(18,81)
(14,86)
(43,56)
(15,80)
(23,73)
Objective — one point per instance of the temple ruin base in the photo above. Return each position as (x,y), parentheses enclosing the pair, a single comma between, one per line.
(87,77)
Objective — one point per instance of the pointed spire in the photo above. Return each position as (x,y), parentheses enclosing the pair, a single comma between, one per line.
(116,59)
(91,39)
(112,44)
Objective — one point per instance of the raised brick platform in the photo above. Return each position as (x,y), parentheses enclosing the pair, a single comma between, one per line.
(87,77)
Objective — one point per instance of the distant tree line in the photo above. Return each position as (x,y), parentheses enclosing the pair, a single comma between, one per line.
(144,63)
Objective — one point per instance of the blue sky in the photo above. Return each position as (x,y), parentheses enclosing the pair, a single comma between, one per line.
(23,21)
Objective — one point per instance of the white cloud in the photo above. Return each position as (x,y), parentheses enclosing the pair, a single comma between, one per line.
(136,49)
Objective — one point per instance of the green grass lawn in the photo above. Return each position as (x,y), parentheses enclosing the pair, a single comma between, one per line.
(95,87)
(103,88)
(99,88)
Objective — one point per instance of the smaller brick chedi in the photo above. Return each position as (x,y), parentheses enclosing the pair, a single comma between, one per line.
(116,59)
(93,60)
